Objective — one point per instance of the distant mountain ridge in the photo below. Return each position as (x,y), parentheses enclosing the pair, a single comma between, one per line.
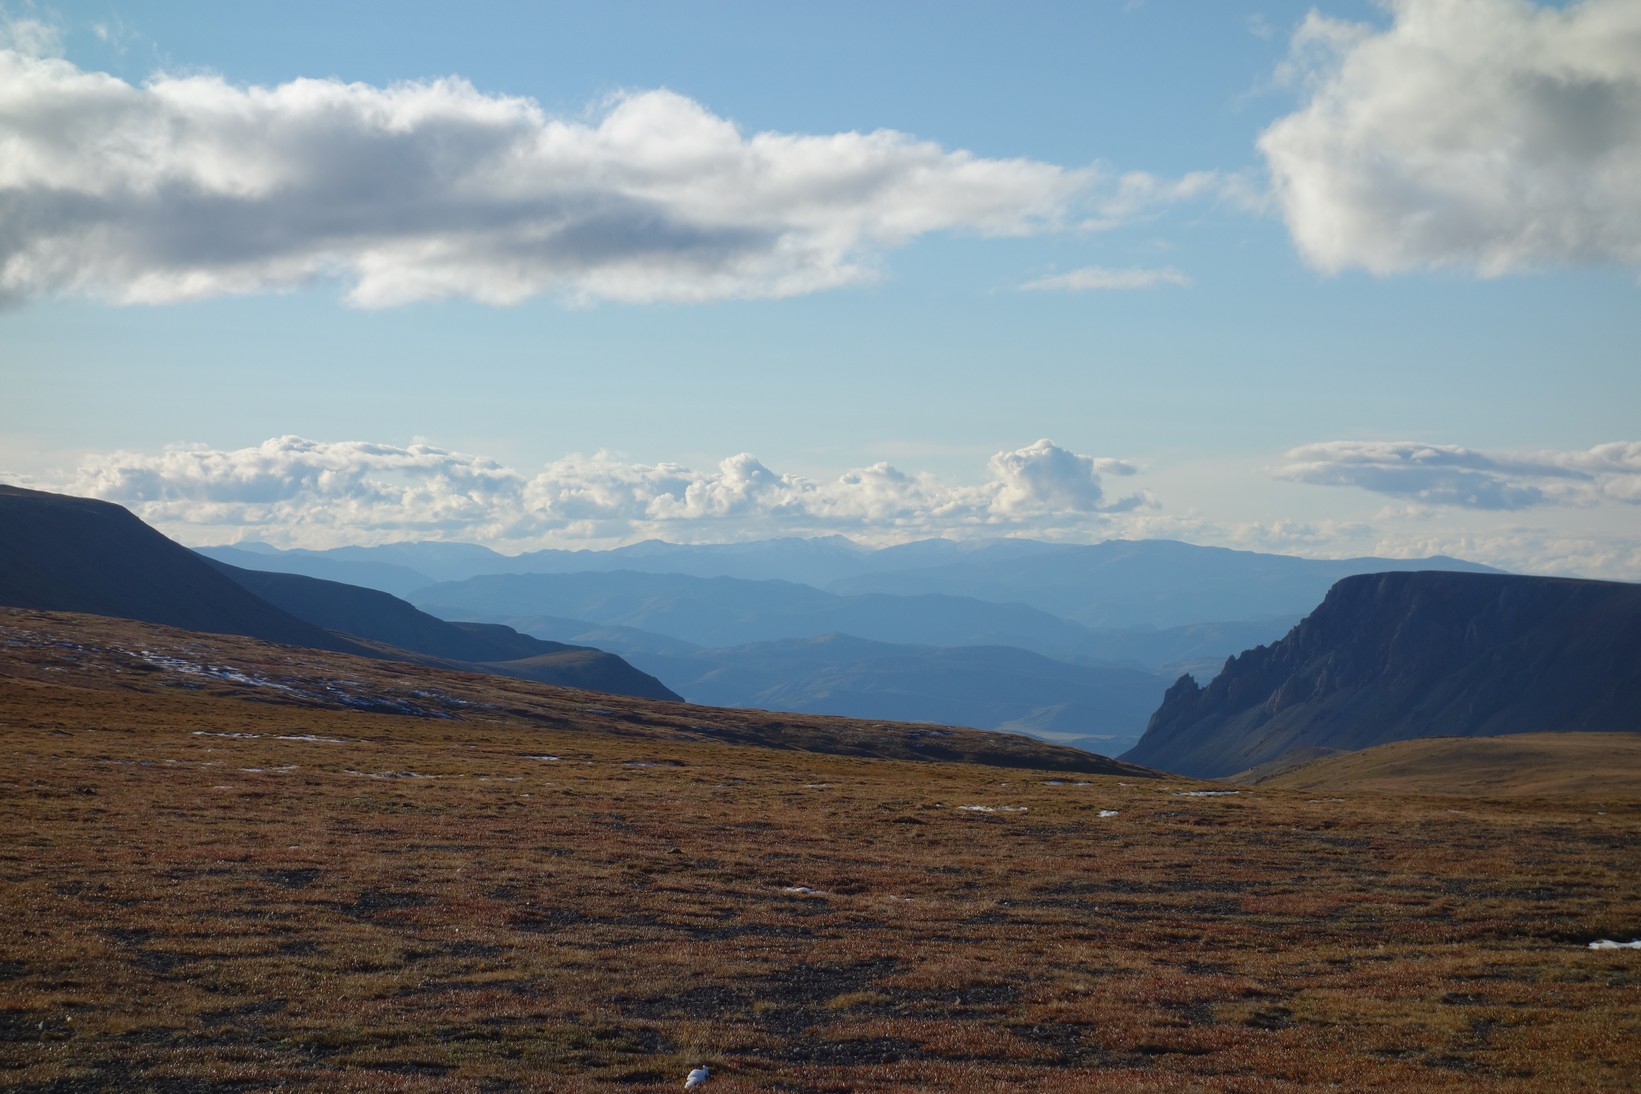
(986,687)
(727,611)
(1114,585)
(1395,656)
(759,624)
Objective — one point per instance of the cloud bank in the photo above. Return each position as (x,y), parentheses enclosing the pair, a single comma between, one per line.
(1559,512)
(189,186)
(297,492)
(1488,135)
(1448,475)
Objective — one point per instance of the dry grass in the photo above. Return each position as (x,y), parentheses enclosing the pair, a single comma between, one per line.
(369,901)
(1587,765)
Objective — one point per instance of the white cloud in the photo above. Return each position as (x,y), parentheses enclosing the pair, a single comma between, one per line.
(296,492)
(1489,135)
(1449,475)
(1044,478)
(31,36)
(1098,277)
(189,186)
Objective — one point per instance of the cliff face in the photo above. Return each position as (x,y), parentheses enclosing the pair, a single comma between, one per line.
(1389,657)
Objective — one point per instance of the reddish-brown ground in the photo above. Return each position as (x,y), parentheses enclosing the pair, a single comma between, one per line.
(202,889)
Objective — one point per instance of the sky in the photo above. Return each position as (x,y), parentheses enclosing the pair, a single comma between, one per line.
(1340,280)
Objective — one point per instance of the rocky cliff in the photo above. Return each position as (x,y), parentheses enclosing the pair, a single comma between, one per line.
(1394,656)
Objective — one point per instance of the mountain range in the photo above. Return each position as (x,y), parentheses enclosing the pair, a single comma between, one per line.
(1386,656)
(743,624)
(1114,585)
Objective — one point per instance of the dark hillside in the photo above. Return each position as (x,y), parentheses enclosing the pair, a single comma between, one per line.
(1389,657)
(61,553)
(379,617)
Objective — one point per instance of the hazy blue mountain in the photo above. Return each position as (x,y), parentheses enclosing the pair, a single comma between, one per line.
(1121,583)
(725,611)
(384,576)
(395,568)
(809,561)
(381,617)
(1116,585)
(1191,648)
(1102,709)
(439,561)
(1393,656)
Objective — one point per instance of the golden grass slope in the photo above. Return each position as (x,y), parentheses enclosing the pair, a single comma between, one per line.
(1601,766)
(203,890)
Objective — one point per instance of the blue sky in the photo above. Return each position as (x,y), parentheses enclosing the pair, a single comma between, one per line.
(1334,281)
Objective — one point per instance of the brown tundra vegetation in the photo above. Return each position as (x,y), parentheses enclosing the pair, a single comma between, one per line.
(231,866)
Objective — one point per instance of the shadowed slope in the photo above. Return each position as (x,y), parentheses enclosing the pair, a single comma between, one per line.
(61,553)
(379,617)
(1388,657)
(72,554)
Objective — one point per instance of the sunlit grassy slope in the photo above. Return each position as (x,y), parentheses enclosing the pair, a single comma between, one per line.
(1589,765)
(211,883)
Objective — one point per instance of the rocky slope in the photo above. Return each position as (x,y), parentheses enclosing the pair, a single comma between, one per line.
(1394,656)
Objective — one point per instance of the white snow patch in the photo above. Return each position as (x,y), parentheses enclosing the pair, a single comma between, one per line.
(277,737)
(1108,812)
(1609,944)
(994,808)
(1205,793)
(803,890)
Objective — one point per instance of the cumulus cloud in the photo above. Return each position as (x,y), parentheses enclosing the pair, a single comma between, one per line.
(1450,475)
(1487,135)
(189,186)
(1046,478)
(1098,277)
(299,492)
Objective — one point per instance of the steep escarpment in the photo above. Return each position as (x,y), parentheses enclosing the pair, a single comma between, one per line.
(1394,656)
